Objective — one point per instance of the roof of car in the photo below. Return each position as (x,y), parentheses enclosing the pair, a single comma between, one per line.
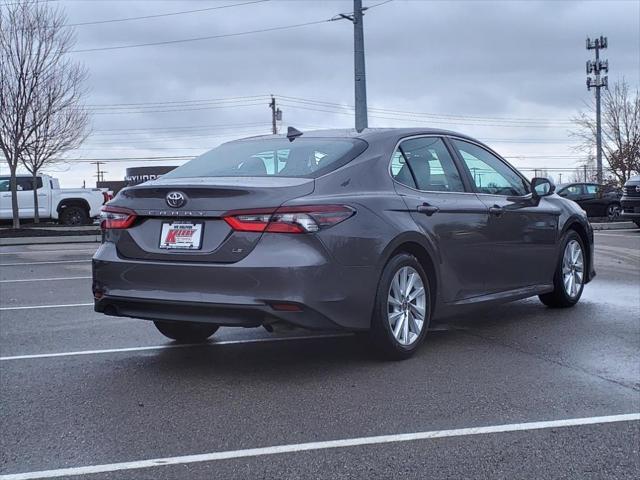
(568,184)
(368,133)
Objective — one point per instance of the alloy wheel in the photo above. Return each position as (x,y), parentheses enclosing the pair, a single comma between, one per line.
(572,268)
(613,212)
(406,305)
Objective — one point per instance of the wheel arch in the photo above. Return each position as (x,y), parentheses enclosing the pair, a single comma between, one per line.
(577,226)
(73,202)
(415,244)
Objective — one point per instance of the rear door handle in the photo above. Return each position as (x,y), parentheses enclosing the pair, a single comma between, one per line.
(427,209)
(496,210)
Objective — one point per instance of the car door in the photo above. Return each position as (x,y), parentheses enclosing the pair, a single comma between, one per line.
(451,216)
(592,200)
(5,198)
(573,192)
(522,232)
(25,196)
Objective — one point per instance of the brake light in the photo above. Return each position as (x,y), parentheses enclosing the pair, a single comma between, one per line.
(305,219)
(116,218)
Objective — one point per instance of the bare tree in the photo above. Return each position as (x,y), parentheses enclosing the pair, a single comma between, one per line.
(62,125)
(33,45)
(620,130)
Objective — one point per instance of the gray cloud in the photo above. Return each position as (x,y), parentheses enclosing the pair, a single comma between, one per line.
(510,58)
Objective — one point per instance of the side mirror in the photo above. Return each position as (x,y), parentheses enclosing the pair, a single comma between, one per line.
(542,187)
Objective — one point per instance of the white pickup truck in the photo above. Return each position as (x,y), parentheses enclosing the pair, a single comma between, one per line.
(69,206)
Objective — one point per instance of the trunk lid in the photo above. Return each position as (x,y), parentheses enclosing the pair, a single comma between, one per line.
(205,201)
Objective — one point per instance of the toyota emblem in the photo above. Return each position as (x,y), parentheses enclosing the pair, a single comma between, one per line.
(176,199)
(637,188)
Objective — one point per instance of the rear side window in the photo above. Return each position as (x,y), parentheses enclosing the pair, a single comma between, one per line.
(26,183)
(424,163)
(4,184)
(304,157)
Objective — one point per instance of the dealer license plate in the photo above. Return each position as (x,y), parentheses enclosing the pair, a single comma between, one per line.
(181,235)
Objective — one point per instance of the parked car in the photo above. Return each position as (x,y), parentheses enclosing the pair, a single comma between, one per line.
(596,200)
(69,206)
(630,200)
(379,231)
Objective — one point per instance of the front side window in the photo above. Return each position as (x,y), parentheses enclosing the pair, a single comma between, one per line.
(490,175)
(424,163)
(304,157)
(5,185)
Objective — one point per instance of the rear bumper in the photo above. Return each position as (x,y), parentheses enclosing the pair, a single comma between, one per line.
(234,315)
(302,274)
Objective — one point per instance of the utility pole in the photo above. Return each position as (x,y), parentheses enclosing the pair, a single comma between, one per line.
(597,82)
(276,115)
(99,173)
(358,64)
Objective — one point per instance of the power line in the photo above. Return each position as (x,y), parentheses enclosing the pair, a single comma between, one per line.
(383,110)
(145,17)
(161,130)
(427,121)
(140,111)
(197,39)
(201,135)
(136,132)
(322,104)
(226,99)
(126,159)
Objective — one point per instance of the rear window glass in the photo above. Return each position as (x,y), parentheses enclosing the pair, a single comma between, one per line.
(309,157)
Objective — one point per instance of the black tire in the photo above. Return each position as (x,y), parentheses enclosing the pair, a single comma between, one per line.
(189,332)
(559,298)
(74,215)
(381,335)
(613,211)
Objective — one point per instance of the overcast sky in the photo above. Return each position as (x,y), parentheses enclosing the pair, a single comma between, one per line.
(451,60)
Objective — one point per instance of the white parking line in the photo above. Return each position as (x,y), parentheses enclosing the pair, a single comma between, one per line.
(305,447)
(25,252)
(44,263)
(43,279)
(33,307)
(634,234)
(167,347)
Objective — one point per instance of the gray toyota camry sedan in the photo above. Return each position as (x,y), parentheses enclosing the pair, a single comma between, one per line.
(379,231)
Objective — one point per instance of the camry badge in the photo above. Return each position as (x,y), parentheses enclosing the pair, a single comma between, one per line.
(176,199)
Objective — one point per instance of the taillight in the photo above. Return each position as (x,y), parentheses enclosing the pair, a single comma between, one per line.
(306,219)
(116,218)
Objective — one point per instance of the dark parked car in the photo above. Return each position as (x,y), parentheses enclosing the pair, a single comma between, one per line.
(379,231)
(596,200)
(630,200)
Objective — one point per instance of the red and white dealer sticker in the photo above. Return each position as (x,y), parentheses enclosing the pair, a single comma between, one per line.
(182,235)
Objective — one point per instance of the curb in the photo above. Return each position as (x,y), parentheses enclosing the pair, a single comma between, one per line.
(614,226)
(45,240)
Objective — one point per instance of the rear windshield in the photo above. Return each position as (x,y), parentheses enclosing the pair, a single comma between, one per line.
(304,157)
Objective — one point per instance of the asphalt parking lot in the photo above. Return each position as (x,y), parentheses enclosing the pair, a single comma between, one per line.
(519,391)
